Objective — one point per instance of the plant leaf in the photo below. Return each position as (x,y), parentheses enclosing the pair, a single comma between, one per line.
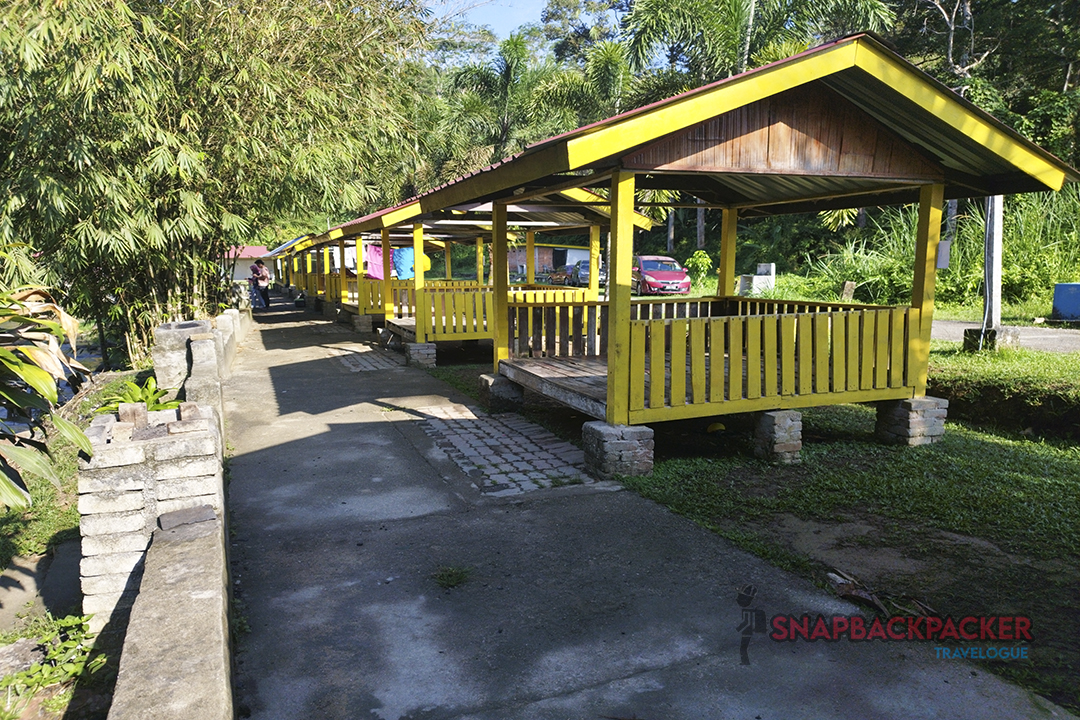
(31,461)
(72,432)
(12,494)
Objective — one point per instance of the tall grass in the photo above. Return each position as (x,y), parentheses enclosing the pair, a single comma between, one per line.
(1041,248)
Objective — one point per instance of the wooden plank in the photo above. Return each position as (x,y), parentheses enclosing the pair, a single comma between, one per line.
(778,402)
(805,344)
(753,356)
(853,346)
(590,345)
(577,395)
(521,332)
(657,381)
(717,335)
(838,324)
(769,352)
(896,348)
(787,354)
(638,330)
(550,315)
(578,330)
(564,330)
(882,324)
(735,358)
(821,352)
(698,360)
(678,362)
(537,331)
(604,314)
(866,355)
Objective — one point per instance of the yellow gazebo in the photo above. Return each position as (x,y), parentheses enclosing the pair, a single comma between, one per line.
(847,124)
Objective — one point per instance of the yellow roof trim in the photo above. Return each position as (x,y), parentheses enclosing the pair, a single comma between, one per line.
(951,112)
(653,124)
(583,195)
(402,214)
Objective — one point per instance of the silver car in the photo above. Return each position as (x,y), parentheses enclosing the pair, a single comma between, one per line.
(579,276)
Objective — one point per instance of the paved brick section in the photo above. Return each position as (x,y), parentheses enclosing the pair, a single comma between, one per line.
(505,454)
(364,358)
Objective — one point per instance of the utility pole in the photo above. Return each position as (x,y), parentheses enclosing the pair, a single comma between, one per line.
(992,263)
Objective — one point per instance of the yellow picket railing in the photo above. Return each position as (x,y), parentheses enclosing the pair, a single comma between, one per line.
(455,313)
(543,324)
(715,365)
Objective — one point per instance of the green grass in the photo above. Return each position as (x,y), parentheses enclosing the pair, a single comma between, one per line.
(1021,313)
(463,378)
(1020,493)
(1013,388)
(451,577)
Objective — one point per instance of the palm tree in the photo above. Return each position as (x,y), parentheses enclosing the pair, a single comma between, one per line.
(711,40)
(705,40)
(594,92)
(493,100)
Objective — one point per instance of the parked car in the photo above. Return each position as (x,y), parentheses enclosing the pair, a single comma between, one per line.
(580,275)
(658,275)
(561,275)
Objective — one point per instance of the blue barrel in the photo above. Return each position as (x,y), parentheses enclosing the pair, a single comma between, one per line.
(1067,302)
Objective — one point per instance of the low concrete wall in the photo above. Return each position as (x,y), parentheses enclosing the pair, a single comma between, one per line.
(175,663)
(144,464)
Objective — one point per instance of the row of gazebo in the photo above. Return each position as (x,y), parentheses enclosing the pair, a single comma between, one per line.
(848,124)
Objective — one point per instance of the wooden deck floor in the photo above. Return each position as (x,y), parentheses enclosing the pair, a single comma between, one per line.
(405,328)
(579,382)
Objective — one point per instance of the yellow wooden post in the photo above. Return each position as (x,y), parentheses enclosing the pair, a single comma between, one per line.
(446,259)
(387,283)
(500,280)
(594,262)
(725,282)
(530,257)
(931,199)
(326,273)
(479,261)
(622,251)
(420,308)
(361,272)
(307,274)
(343,280)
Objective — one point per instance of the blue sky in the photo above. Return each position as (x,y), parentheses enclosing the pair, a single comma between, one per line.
(502,16)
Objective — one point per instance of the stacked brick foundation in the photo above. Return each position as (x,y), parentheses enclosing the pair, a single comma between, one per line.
(144,464)
(778,436)
(915,421)
(612,450)
(420,354)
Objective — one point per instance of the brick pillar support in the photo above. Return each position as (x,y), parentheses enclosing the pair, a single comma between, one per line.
(915,421)
(420,354)
(778,436)
(612,450)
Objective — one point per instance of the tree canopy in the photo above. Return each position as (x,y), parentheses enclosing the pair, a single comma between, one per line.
(143,139)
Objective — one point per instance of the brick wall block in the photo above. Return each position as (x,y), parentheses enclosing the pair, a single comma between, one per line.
(110,564)
(95,503)
(111,523)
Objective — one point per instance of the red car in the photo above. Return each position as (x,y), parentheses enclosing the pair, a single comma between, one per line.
(658,275)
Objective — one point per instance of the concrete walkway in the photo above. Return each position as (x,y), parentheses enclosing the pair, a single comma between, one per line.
(355,479)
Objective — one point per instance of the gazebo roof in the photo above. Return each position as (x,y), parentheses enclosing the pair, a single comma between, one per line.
(847,124)
(903,130)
